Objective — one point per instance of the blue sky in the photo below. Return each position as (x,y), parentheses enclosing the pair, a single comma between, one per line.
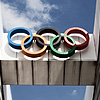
(60,14)
(48,92)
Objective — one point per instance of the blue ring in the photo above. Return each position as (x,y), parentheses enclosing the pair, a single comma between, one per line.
(19,30)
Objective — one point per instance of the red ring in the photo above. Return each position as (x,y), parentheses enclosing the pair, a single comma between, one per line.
(80,31)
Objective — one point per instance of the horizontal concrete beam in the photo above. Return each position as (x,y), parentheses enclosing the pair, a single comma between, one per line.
(48,72)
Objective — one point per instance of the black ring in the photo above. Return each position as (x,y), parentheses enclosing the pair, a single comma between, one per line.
(48,30)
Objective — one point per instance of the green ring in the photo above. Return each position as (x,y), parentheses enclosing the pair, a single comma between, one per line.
(62,54)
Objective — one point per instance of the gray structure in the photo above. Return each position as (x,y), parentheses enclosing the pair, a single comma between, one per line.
(82,69)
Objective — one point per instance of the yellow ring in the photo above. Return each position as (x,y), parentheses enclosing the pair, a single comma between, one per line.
(34,54)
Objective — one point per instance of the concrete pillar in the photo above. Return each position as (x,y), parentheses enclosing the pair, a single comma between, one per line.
(89,93)
(7,92)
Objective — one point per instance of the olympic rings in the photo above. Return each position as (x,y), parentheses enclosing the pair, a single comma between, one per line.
(48,30)
(34,54)
(54,43)
(80,31)
(19,30)
(62,54)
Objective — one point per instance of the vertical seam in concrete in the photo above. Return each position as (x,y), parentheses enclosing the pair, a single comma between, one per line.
(80,73)
(17,72)
(32,72)
(64,72)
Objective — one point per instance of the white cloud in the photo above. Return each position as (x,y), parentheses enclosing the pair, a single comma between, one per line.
(38,9)
(38,5)
(74,92)
(35,15)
